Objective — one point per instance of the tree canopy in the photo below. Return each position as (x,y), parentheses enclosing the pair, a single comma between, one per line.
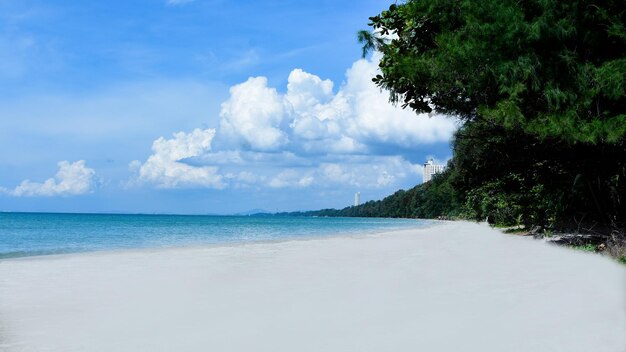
(540,86)
(550,67)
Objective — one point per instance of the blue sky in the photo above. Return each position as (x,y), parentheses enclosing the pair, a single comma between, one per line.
(202,106)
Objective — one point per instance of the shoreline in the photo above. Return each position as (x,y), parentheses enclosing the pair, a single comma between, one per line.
(454,286)
(428,223)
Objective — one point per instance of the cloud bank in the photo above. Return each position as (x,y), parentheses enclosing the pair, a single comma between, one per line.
(71,179)
(307,136)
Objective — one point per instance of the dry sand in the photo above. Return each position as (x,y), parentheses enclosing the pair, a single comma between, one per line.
(452,287)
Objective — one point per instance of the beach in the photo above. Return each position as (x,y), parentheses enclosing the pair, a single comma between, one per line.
(453,286)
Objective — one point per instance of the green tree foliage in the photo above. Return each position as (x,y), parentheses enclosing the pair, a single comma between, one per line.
(552,68)
(514,177)
(541,88)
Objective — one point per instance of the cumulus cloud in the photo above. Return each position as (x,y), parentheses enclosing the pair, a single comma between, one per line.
(166,167)
(254,113)
(306,136)
(374,119)
(310,118)
(71,179)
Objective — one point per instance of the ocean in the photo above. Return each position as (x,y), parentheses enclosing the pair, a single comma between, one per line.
(30,234)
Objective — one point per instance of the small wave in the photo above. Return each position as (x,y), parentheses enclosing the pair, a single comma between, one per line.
(21,254)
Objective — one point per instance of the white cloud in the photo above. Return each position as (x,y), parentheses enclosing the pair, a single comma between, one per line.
(308,136)
(310,118)
(167,168)
(254,113)
(306,92)
(291,178)
(355,171)
(374,119)
(71,179)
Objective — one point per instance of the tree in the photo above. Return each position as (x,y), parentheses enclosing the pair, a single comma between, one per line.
(541,88)
(553,68)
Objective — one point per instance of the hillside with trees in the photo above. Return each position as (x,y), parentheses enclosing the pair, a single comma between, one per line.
(434,199)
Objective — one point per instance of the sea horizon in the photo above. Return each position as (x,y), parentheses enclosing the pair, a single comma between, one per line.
(27,234)
(137,213)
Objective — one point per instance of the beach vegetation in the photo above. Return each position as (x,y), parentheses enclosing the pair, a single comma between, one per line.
(540,89)
(586,248)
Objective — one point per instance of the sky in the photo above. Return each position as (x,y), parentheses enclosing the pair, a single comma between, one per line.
(199,107)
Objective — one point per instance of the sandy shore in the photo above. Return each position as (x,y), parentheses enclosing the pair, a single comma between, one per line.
(452,287)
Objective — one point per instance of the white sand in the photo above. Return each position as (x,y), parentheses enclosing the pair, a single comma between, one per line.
(452,287)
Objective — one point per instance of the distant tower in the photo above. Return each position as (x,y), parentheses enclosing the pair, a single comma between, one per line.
(357,199)
(430,169)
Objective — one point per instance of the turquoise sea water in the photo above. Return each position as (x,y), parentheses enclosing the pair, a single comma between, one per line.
(28,234)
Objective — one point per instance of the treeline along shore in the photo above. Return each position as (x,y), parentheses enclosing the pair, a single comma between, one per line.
(539,89)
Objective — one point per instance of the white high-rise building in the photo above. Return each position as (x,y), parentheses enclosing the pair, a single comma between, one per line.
(357,199)
(430,169)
